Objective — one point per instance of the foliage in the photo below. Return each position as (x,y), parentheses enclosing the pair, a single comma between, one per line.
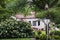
(2,3)
(58,25)
(41,3)
(4,13)
(57,33)
(15,29)
(52,14)
(37,33)
(54,35)
(44,37)
(16,5)
(17,39)
(9,7)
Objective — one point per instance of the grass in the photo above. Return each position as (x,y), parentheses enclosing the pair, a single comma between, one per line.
(17,39)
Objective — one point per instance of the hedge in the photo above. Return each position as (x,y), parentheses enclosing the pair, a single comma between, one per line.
(10,28)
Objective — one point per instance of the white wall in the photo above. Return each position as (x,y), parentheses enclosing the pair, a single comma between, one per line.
(42,25)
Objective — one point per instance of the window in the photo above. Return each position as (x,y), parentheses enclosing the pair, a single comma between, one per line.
(30,22)
(38,23)
(34,23)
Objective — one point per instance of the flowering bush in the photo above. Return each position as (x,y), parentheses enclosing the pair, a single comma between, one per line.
(15,29)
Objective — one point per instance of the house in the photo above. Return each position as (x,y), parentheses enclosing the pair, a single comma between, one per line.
(36,23)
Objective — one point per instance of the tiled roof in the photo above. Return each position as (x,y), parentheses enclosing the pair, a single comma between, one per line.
(19,16)
(28,16)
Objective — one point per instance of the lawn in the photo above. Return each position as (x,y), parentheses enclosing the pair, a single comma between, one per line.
(17,39)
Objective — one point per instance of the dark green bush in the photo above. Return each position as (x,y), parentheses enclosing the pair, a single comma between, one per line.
(58,25)
(15,29)
(42,37)
(55,33)
(56,37)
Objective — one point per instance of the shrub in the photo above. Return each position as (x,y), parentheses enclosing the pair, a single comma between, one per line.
(58,25)
(56,36)
(40,36)
(15,29)
(55,33)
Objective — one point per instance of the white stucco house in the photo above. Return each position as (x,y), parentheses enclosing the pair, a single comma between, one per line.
(36,23)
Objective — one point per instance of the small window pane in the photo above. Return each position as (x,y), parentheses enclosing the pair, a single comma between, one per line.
(30,22)
(38,23)
(34,23)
